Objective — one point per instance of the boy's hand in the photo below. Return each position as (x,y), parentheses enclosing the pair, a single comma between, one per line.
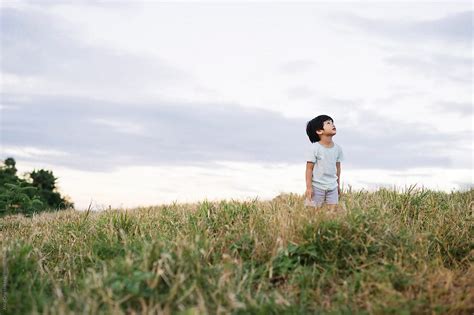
(309,193)
(339,191)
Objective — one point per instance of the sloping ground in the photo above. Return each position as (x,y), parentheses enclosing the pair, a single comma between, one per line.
(386,252)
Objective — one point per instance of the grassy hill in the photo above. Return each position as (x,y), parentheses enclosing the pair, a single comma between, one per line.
(386,252)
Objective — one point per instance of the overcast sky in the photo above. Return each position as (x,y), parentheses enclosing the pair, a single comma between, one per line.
(145,103)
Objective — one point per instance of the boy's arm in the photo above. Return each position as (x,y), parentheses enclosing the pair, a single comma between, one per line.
(309,179)
(338,173)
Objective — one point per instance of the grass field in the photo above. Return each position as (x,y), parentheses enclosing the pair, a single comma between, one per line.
(386,252)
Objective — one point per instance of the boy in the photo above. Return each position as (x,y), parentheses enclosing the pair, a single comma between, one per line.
(323,164)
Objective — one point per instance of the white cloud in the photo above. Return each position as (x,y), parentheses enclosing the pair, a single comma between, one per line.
(235,53)
(120,126)
(31,152)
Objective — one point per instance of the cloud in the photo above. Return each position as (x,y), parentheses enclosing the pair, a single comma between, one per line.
(38,46)
(94,3)
(453,28)
(31,152)
(459,108)
(101,136)
(439,66)
(49,54)
(97,133)
(375,141)
(456,27)
(300,92)
(120,126)
(296,66)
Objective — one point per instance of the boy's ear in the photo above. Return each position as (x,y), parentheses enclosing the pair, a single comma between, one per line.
(319,132)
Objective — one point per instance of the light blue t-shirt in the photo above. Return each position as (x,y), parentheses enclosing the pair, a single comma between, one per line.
(324,159)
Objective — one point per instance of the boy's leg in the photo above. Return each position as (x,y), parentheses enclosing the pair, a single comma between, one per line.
(332,199)
(318,198)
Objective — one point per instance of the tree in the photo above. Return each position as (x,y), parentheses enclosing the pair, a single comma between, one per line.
(10,165)
(19,195)
(45,182)
(8,172)
(20,198)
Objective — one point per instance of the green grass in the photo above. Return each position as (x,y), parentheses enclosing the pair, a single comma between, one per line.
(385,252)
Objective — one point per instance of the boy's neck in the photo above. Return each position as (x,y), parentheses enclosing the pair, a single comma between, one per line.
(325,141)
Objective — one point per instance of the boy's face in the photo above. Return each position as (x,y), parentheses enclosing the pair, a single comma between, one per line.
(329,128)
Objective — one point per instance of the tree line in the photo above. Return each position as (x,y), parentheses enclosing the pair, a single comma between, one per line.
(36,191)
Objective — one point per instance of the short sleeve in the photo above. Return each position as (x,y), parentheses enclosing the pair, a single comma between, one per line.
(340,155)
(310,155)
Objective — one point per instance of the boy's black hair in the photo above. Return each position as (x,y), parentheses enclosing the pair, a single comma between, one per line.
(316,124)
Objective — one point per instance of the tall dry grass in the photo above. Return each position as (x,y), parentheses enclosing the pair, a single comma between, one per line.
(388,251)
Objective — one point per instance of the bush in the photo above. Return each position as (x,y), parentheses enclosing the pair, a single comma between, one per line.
(26,196)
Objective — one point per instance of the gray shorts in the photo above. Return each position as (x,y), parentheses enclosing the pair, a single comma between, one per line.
(331,197)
